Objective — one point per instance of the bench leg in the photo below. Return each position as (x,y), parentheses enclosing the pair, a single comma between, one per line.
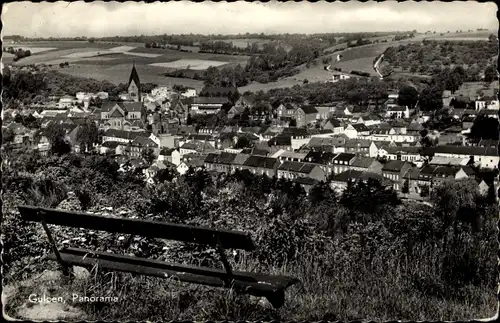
(66,270)
(277,299)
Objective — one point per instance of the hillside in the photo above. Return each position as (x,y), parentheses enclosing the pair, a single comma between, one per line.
(430,56)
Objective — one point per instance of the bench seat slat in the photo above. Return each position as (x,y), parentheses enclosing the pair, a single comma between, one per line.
(146,228)
(261,289)
(274,282)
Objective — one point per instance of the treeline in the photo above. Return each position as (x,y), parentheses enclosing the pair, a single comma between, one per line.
(429,57)
(27,87)
(351,91)
(18,53)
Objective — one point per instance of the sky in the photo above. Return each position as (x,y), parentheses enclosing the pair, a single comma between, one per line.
(100,19)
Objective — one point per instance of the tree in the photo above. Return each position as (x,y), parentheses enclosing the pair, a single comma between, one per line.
(406,187)
(189,119)
(490,74)
(148,155)
(492,38)
(408,96)
(87,135)
(292,123)
(431,98)
(484,128)
(242,142)
(57,139)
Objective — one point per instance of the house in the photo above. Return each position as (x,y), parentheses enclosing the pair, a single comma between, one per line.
(439,160)
(484,157)
(66,102)
(286,110)
(235,111)
(139,145)
(239,161)
(196,147)
(363,147)
(367,164)
(189,93)
(207,105)
(121,135)
(335,125)
(446,97)
(324,159)
(409,154)
(369,120)
(152,170)
(285,155)
(306,115)
(170,155)
(327,144)
(339,182)
(280,142)
(339,76)
(261,165)
(342,162)
(324,112)
(489,113)
(398,112)
(293,170)
(356,130)
(220,162)
(394,170)
(245,101)
(431,175)
(411,180)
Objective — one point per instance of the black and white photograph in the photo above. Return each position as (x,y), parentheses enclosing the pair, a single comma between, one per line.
(250,161)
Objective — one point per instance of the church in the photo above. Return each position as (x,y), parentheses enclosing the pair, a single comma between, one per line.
(134,85)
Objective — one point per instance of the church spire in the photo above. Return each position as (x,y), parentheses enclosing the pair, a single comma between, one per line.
(134,83)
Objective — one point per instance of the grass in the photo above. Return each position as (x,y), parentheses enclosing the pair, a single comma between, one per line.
(385,290)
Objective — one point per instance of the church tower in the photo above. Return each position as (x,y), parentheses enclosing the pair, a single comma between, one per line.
(134,85)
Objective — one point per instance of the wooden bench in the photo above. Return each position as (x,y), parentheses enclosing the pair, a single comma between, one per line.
(268,286)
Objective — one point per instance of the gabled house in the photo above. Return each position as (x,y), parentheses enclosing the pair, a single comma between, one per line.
(286,110)
(220,162)
(363,147)
(342,162)
(261,165)
(367,164)
(139,145)
(170,155)
(398,112)
(395,170)
(369,120)
(484,157)
(293,170)
(306,115)
(356,130)
(335,125)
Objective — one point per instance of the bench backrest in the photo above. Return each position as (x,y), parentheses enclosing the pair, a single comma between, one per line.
(146,228)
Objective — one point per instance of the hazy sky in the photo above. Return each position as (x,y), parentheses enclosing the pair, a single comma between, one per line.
(98,19)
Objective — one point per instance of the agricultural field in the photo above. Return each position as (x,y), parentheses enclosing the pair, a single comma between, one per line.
(119,73)
(465,36)
(112,61)
(194,64)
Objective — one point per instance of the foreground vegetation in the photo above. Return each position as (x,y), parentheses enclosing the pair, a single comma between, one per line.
(401,261)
